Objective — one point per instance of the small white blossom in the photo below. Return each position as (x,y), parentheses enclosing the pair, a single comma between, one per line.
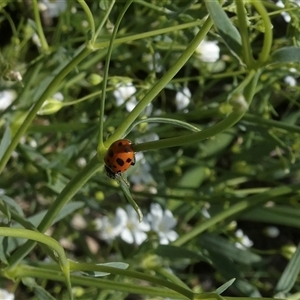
(162,223)
(58,96)
(141,173)
(272,231)
(284,14)
(182,98)
(36,40)
(110,229)
(5,295)
(6,98)
(290,80)
(150,60)
(81,162)
(53,7)
(133,231)
(122,93)
(208,51)
(243,240)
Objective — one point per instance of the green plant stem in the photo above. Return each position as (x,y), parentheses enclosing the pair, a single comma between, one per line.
(268,38)
(36,13)
(106,70)
(242,20)
(17,217)
(153,92)
(38,237)
(271,123)
(44,239)
(169,121)
(148,34)
(228,122)
(90,18)
(67,193)
(75,266)
(84,98)
(235,209)
(104,19)
(36,107)
(171,276)
(49,274)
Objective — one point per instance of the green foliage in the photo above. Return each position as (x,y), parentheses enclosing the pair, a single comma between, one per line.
(208,93)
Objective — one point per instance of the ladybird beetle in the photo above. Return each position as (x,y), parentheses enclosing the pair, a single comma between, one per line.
(119,157)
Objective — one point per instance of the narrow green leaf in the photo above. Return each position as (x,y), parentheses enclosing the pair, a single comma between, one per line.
(127,195)
(173,122)
(117,265)
(286,55)
(224,286)
(173,252)
(290,274)
(13,204)
(39,291)
(230,270)
(283,215)
(226,29)
(5,141)
(223,247)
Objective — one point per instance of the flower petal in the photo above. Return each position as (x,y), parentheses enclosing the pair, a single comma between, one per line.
(139,237)
(126,236)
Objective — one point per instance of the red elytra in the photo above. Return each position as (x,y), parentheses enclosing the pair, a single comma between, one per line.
(119,157)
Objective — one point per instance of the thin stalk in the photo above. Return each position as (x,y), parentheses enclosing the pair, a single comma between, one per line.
(268,34)
(247,52)
(36,13)
(156,89)
(46,240)
(75,266)
(90,18)
(63,198)
(235,209)
(106,70)
(36,107)
(48,274)
(104,19)
(148,34)
(228,122)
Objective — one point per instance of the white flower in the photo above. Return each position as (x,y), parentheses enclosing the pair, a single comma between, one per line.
(133,231)
(285,15)
(81,162)
(122,93)
(162,223)
(58,96)
(36,40)
(5,295)
(208,51)
(141,173)
(290,80)
(6,98)
(243,240)
(272,231)
(54,7)
(182,98)
(153,62)
(110,229)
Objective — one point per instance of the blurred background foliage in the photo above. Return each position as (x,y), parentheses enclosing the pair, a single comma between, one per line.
(194,182)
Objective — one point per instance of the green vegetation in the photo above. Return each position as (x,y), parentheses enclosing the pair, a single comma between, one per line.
(207,92)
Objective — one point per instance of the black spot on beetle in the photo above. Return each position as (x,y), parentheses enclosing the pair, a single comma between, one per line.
(120,162)
(120,144)
(128,160)
(127,149)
